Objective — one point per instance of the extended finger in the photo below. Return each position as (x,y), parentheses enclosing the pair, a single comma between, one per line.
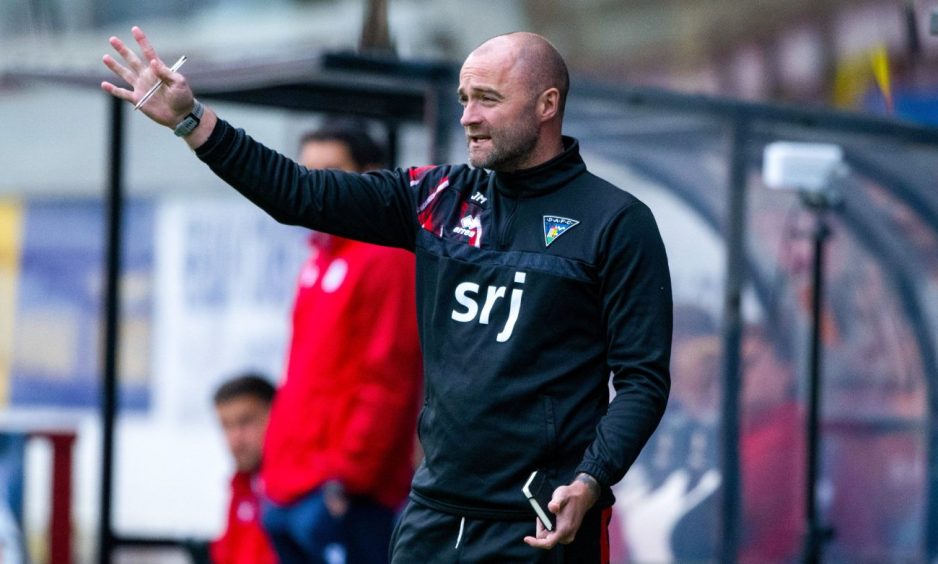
(558,500)
(164,73)
(127,54)
(119,69)
(540,537)
(148,51)
(545,543)
(563,533)
(117,91)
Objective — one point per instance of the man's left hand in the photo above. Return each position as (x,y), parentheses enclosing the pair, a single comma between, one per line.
(569,503)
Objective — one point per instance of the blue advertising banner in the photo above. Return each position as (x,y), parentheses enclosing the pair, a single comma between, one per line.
(58,316)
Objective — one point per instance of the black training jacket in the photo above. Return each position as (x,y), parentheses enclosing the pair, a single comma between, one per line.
(532,287)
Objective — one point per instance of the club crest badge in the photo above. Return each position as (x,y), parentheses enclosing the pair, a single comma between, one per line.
(555,227)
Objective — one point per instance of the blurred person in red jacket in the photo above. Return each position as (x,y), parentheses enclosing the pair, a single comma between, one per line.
(337,460)
(243,408)
(772,453)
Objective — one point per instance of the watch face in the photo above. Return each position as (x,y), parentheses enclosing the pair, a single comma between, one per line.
(186,126)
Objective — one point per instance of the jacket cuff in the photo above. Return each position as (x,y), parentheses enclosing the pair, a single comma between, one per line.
(218,141)
(606,499)
(595,471)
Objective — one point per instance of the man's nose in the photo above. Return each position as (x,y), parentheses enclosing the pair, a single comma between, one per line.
(470,115)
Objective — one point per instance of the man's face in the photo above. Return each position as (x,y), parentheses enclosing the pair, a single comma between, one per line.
(498,110)
(767,381)
(244,422)
(327,154)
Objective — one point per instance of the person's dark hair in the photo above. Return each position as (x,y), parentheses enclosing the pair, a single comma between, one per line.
(772,337)
(249,384)
(363,149)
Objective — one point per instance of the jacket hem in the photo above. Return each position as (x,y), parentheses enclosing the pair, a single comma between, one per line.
(472,512)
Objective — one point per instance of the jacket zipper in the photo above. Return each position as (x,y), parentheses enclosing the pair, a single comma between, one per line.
(506,225)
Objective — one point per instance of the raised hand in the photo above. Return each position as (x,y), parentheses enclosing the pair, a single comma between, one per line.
(171,102)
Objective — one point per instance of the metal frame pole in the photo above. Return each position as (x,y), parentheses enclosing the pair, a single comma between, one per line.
(111,328)
(816,533)
(732,337)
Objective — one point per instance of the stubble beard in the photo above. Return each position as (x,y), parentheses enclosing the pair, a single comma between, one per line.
(510,147)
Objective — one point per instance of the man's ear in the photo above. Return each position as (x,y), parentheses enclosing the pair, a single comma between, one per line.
(548,104)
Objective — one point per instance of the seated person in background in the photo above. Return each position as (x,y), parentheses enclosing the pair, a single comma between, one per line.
(243,406)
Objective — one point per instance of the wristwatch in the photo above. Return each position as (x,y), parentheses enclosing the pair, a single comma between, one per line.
(191,121)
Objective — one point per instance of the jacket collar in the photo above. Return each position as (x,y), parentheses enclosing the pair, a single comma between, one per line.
(545,177)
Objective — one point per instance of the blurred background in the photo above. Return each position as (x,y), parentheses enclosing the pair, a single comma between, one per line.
(672,100)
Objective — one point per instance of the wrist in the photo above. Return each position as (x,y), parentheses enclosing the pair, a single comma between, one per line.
(191,120)
(591,483)
(204,129)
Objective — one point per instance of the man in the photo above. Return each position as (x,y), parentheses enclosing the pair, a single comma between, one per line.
(534,281)
(771,452)
(337,463)
(243,406)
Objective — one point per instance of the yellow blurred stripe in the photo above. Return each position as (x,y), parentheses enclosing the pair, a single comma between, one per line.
(11,221)
(851,81)
(879,58)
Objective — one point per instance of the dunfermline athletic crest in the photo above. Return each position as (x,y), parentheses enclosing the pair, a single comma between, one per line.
(555,227)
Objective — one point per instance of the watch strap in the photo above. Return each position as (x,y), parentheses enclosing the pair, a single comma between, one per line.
(191,121)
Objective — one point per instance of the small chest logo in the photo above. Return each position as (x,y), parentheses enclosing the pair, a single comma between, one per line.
(470,226)
(246,512)
(334,276)
(555,226)
(309,274)
(478,198)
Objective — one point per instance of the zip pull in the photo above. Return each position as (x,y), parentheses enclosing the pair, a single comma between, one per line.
(462,524)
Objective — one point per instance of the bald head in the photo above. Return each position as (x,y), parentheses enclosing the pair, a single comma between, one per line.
(536,62)
(512,89)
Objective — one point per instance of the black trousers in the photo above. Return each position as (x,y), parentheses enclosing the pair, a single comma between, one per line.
(427,536)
